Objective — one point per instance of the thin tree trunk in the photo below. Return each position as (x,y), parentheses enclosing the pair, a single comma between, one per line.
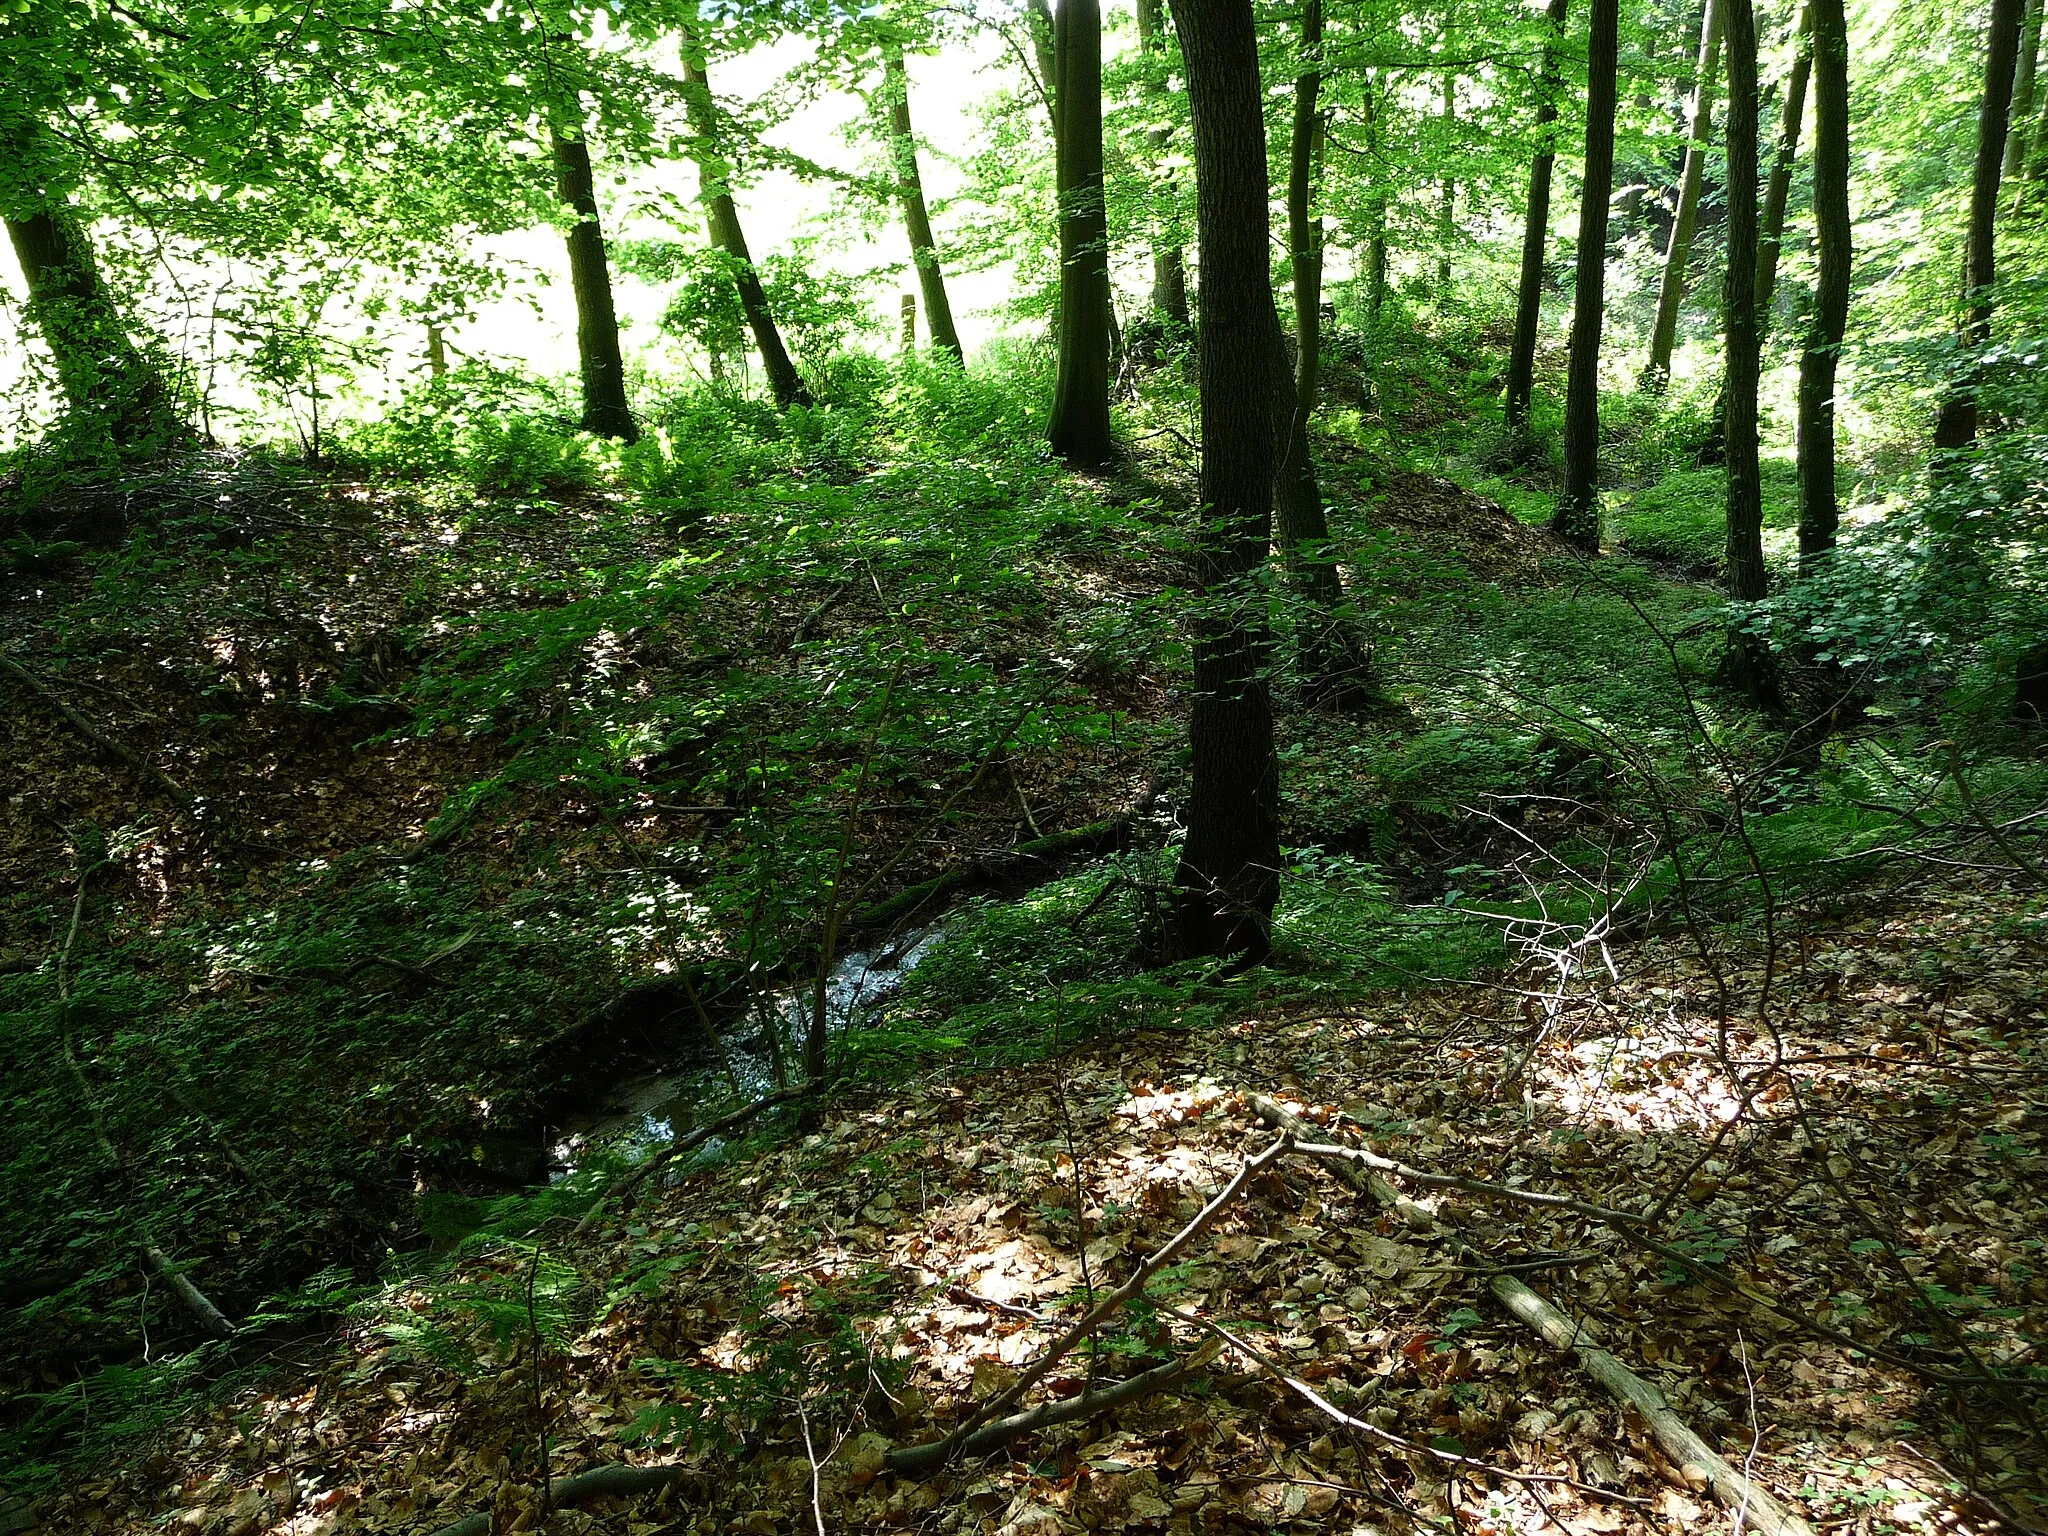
(722,214)
(2037,157)
(1678,249)
(1038,20)
(1376,209)
(1771,236)
(1746,579)
(1228,881)
(1818,513)
(605,411)
(1578,505)
(105,377)
(917,223)
(1957,425)
(437,352)
(1169,265)
(1304,226)
(2022,109)
(1446,208)
(1079,431)
(1521,386)
(909,338)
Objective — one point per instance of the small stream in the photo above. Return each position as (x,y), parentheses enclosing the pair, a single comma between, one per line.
(642,1114)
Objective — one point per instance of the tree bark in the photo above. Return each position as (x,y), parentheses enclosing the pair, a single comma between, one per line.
(1521,386)
(1578,505)
(1956,426)
(2037,157)
(1746,580)
(1169,265)
(1228,881)
(105,377)
(1079,430)
(722,214)
(605,411)
(1375,208)
(1818,513)
(917,223)
(1038,20)
(1447,199)
(1771,234)
(2022,109)
(1678,249)
(1304,225)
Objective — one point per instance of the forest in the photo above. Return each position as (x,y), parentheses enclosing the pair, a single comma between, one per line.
(1022,767)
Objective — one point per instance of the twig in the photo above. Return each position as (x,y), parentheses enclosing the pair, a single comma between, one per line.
(922,1458)
(92,733)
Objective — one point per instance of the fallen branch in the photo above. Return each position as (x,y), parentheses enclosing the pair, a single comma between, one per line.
(1107,836)
(112,746)
(690,1143)
(937,1453)
(916,1460)
(1696,1461)
(615,1480)
(204,1311)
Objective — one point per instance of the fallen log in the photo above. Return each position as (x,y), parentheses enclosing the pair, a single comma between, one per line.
(690,1143)
(1107,836)
(203,1311)
(1696,1461)
(614,1480)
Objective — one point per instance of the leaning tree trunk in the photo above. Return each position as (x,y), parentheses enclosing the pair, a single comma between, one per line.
(1678,249)
(1228,881)
(1746,579)
(722,214)
(1818,512)
(1169,265)
(2022,110)
(105,377)
(1304,225)
(917,223)
(1079,430)
(1521,386)
(1577,517)
(1957,425)
(605,411)
(1771,235)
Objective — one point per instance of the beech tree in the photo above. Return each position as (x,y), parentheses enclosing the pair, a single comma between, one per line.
(1771,232)
(600,363)
(1577,517)
(1228,881)
(1304,224)
(1747,659)
(1956,427)
(1079,429)
(917,224)
(1521,380)
(1678,247)
(1818,513)
(1169,265)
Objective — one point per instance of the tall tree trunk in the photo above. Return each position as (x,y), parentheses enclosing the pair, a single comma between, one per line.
(1521,387)
(722,214)
(1739,315)
(1169,265)
(1375,208)
(2022,111)
(105,377)
(1446,208)
(1957,425)
(917,223)
(1038,20)
(1771,236)
(1818,513)
(1079,430)
(1678,249)
(1228,881)
(1304,226)
(605,411)
(2037,157)
(1578,505)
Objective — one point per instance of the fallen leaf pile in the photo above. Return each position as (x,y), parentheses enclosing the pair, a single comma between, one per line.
(1856,1156)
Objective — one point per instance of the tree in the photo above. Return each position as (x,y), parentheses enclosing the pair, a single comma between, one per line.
(1771,234)
(924,250)
(1578,506)
(1228,882)
(1079,429)
(1447,194)
(1744,328)
(1818,514)
(605,411)
(1304,225)
(1956,427)
(2022,109)
(1169,266)
(1521,383)
(1678,248)
(714,174)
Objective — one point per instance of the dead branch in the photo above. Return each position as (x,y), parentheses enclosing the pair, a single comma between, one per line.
(112,746)
(204,1311)
(937,1453)
(615,1480)
(690,1143)
(1695,1459)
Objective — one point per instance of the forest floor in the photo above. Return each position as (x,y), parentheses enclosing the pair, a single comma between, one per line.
(446,775)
